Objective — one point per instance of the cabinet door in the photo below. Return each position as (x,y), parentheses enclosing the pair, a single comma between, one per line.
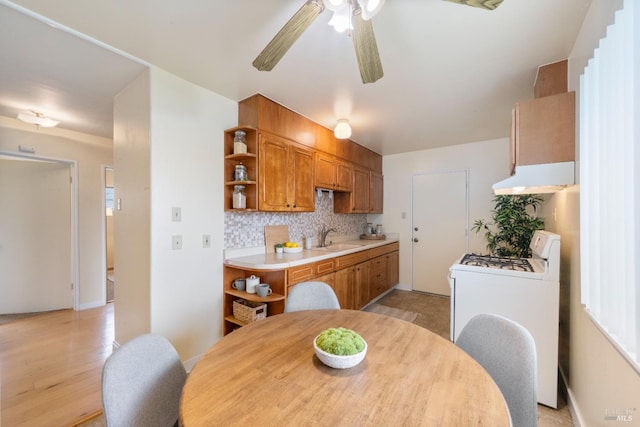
(329,279)
(376,194)
(361,295)
(360,192)
(325,171)
(343,287)
(274,169)
(393,269)
(545,130)
(344,176)
(301,188)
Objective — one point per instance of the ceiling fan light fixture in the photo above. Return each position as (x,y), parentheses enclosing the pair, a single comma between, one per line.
(38,119)
(341,21)
(335,5)
(370,8)
(342,129)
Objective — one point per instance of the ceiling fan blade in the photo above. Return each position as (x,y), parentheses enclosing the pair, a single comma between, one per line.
(367,54)
(484,4)
(280,44)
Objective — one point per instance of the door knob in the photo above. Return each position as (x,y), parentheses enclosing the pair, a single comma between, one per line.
(415,239)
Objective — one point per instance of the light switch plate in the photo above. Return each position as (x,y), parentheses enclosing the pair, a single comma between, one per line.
(176,214)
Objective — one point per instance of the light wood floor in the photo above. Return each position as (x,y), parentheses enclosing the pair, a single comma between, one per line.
(51,365)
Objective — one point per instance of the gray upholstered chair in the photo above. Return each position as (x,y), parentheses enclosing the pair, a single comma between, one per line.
(507,351)
(311,296)
(142,382)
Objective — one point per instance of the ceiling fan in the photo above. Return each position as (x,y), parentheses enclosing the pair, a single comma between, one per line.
(352,15)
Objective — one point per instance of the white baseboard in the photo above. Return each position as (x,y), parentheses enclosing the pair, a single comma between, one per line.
(403,287)
(576,415)
(90,305)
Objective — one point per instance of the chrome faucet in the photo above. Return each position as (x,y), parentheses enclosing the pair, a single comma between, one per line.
(323,235)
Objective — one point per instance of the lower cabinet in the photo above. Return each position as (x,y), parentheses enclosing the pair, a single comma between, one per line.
(274,302)
(356,278)
(351,286)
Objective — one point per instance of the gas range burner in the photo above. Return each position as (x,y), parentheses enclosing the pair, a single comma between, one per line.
(504,263)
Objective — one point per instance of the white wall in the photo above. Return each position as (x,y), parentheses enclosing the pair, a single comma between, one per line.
(168,153)
(598,378)
(487,162)
(132,229)
(187,125)
(91,153)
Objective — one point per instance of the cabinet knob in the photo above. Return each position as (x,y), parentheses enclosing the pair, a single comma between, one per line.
(415,239)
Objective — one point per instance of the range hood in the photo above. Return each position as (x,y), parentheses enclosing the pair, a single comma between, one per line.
(534,179)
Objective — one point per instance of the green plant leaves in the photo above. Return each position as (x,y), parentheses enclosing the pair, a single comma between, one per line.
(513,224)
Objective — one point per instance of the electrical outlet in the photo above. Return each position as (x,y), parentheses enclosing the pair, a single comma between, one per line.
(176,242)
(176,214)
(206,241)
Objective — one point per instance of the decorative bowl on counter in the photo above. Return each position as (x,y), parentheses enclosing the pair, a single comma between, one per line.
(293,250)
(338,361)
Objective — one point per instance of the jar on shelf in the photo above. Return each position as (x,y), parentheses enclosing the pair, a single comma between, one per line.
(239,142)
(239,198)
(240,173)
(379,229)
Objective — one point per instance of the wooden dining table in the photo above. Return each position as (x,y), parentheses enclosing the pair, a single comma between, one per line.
(266,373)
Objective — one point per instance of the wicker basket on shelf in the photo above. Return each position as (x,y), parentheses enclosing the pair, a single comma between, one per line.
(249,311)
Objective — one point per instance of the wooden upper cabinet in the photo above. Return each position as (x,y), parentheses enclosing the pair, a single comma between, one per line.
(552,79)
(544,130)
(344,176)
(375,192)
(360,201)
(301,185)
(286,175)
(295,155)
(325,171)
(333,173)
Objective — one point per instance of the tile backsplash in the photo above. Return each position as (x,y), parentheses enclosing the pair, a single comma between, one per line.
(246,229)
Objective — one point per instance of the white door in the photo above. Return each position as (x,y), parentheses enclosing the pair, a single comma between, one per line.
(35,236)
(439,219)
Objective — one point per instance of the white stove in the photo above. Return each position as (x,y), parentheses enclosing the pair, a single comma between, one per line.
(525,290)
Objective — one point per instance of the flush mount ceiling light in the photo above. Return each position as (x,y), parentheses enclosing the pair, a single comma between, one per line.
(38,119)
(342,129)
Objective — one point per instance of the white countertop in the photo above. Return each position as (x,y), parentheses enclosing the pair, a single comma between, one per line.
(273,261)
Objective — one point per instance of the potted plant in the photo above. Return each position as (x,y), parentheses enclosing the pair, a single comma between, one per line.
(279,248)
(513,224)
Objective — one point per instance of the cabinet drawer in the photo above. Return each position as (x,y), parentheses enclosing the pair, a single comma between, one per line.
(381,250)
(324,267)
(378,265)
(300,273)
(347,260)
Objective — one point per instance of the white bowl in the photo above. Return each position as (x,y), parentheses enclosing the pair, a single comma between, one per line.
(293,250)
(339,362)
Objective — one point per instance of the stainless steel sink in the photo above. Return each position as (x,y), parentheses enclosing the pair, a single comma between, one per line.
(337,247)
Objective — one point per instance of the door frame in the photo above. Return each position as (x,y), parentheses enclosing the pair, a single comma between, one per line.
(104,168)
(466,220)
(73,169)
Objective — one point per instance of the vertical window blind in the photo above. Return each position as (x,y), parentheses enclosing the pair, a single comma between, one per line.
(610,183)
